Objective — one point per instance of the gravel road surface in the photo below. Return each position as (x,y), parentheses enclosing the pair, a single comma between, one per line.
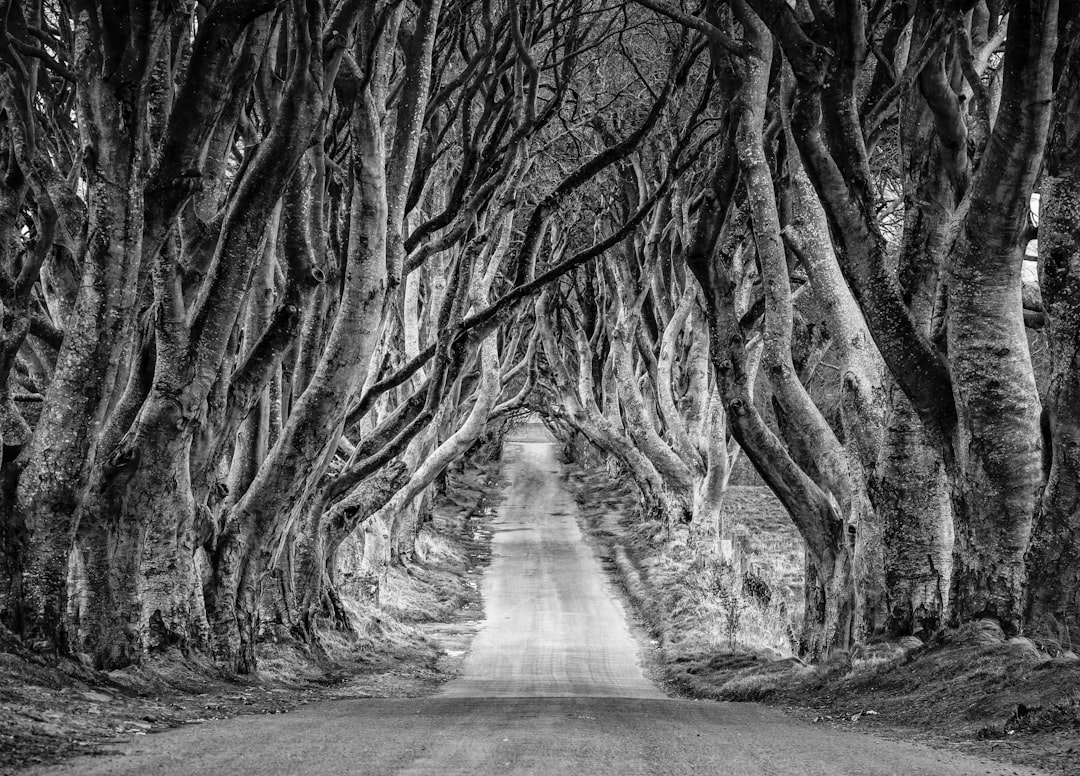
(552,685)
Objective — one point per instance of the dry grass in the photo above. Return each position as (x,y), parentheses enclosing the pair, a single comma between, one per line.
(433,547)
(754,687)
(708,603)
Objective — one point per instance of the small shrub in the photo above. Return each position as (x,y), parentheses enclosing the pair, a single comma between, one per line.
(730,599)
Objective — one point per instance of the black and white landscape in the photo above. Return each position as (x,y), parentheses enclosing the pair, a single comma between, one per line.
(540,386)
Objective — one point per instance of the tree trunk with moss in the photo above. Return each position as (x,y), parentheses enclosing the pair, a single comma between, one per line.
(1053,561)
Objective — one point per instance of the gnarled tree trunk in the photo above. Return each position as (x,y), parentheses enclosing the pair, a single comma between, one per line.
(1053,562)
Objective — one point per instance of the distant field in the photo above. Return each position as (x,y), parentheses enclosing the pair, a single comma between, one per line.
(767,541)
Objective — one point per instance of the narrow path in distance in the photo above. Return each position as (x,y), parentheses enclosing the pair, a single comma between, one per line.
(552,626)
(551,687)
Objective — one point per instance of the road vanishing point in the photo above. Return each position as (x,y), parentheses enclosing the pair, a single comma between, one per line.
(552,685)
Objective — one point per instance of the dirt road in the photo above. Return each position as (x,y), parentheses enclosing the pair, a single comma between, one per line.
(552,686)
(552,627)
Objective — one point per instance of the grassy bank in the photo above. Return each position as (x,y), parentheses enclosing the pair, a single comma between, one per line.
(719,635)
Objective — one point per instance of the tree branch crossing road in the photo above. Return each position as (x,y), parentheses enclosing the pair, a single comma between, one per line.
(551,686)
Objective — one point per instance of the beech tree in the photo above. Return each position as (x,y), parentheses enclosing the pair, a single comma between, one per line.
(1054,574)
(988,429)
(964,415)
